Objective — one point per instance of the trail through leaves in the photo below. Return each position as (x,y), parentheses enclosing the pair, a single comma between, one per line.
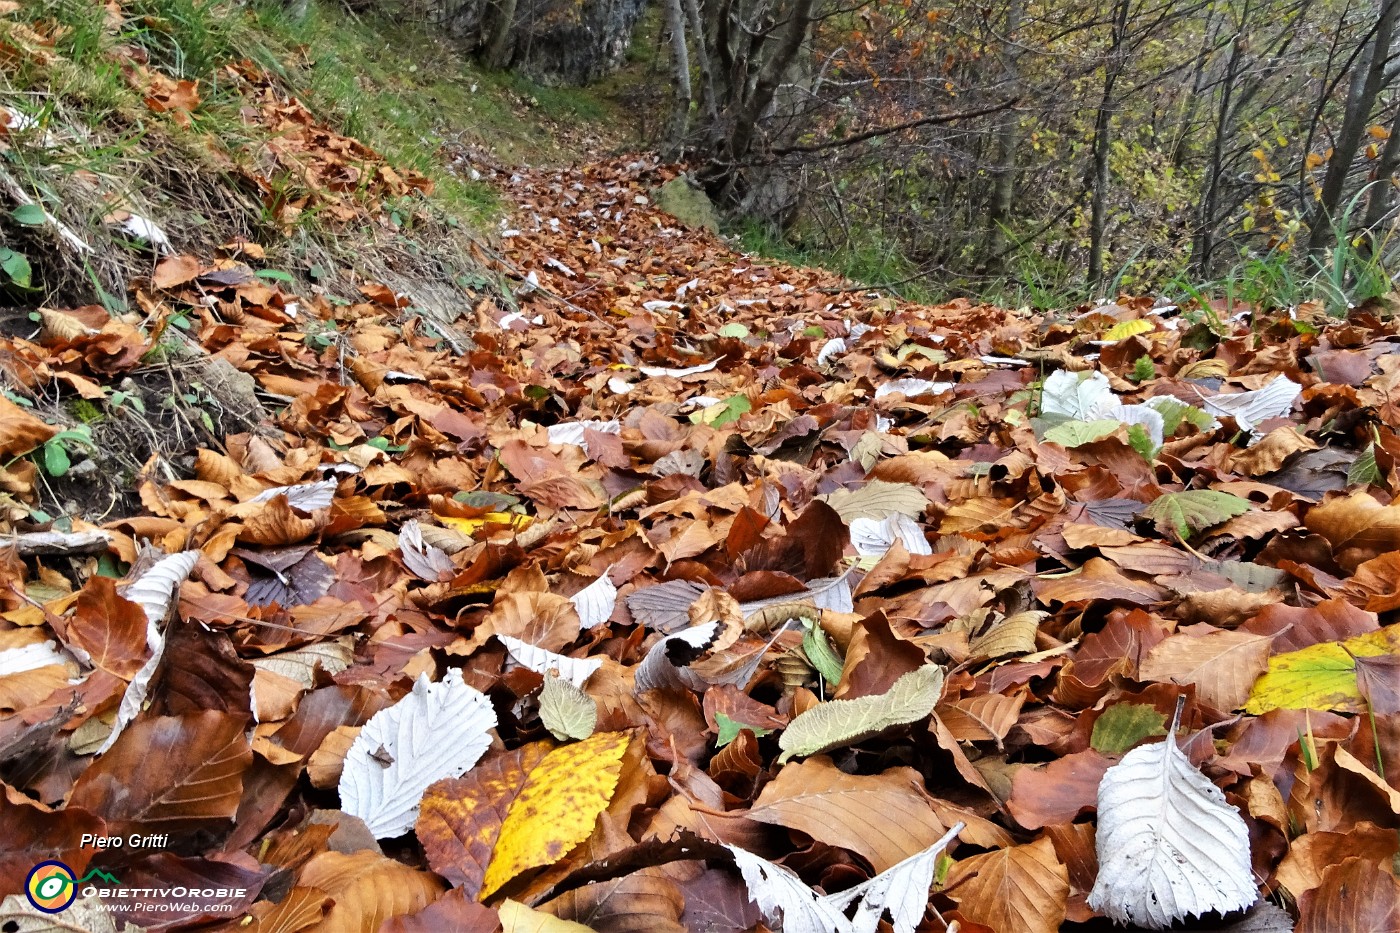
(679,586)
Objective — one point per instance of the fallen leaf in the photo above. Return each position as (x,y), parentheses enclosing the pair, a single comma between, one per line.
(439,730)
(556,808)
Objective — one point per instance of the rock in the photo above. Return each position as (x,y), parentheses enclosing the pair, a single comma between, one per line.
(687,203)
(553,42)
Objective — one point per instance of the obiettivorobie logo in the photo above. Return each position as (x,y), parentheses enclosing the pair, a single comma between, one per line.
(52,886)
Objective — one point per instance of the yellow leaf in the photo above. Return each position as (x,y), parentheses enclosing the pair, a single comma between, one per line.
(472,525)
(557,807)
(1127,329)
(1372,152)
(1314,160)
(517,918)
(1379,132)
(1321,676)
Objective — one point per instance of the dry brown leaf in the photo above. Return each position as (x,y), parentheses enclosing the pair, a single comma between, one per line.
(1016,888)
(885,818)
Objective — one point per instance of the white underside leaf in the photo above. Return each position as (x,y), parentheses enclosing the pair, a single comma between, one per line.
(1250,408)
(425,560)
(901,892)
(911,388)
(440,730)
(135,696)
(832,348)
(658,672)
(542,661)
(873,537)
(304,497)
(31,657)
(1169,845)
(571,433)
(1082,396)
(154,589)
(595,602)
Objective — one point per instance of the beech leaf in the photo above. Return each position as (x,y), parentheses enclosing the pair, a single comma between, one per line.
(573,670)
(1320,676)
(873,537)
(595,602)
(557,807)
(901,891)
(841,722)
(304,497)
(1169,846)
(877,499)
(1250,408)
(1185,513)
(439,730)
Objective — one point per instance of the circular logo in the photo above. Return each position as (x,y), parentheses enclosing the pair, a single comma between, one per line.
(50,887)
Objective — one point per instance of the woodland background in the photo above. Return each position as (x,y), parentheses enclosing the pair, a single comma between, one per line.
(1078,146)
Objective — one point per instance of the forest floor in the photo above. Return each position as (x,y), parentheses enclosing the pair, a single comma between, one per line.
(576,587)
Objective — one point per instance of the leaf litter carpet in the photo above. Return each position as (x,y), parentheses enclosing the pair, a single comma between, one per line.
(695,591)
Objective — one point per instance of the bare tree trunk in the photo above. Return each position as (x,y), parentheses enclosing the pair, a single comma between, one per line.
(1098,209)
(1204,244)
(1198,84)
(1367,82)
(1004,188)
(497,54)
(709,103)
(1382,196)
(771,72)
(680,65)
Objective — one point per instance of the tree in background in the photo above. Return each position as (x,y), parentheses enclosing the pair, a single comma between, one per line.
(1059,142)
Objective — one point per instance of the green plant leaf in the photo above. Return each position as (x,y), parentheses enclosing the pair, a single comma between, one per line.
(56,460)
(722,413)
(729,729)
(1175,411)
(1185,513)
(822,656)
(1075,433)
(29,215)
(1364,470)
(734,330)
(1124,725)
(274,275)
(1142,442)
(16,267)
(841,722)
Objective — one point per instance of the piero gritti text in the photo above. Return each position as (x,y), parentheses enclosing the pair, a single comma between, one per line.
(134,841)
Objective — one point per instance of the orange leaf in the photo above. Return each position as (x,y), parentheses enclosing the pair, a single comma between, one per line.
(884,817)
(1021,888)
